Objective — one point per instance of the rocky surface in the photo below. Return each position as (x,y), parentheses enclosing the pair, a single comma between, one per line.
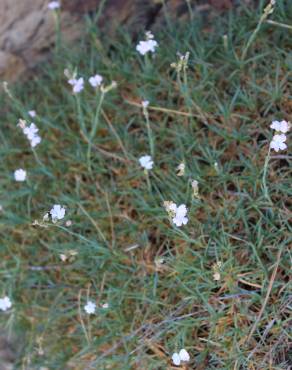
(27,27)
(7,353)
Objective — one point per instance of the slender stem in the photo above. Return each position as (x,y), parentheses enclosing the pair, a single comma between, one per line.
(268,10)
(94,128)
(190,9)
(149,132)
(283,25)
(80,115)
(96,117)
(148,181)
(41,163)
(264,179)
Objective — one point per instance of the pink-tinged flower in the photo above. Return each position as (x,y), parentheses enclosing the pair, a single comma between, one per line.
(96,80)
(278,142)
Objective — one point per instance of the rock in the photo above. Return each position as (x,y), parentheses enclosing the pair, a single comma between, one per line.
(27,27)
(7,352)
(27,33)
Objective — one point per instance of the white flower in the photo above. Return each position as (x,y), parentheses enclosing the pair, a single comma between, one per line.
(176,359)
(278,142)
(149,44)
(182,356)
(46,217)
(5,303)
(53,5)
(144,47)
(195,186)
(145,103)
(149,35)
(90,307)
(170,207)
(21,124)
(180,215)
(216,276)
(280,126)
(30,131)
(146,162)
(32,113)
(35,141)
(78,84)
(20,175)
(95,80)
(177,213)
(105,305)
(181,169)
(57,212)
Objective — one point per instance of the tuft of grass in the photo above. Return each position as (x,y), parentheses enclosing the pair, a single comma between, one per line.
(157,278)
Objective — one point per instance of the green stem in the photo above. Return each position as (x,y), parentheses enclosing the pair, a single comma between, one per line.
(149,132)
(268,10)
(264,178)
(80,116)
(94,129)
(148,181)
(41,164)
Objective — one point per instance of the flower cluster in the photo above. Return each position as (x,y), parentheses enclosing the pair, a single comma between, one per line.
(5,303)
(279,139)
(31,132)
(181,356)
(149,45)
(95,81)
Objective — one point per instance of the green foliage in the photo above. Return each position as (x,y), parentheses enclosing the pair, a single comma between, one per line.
(157,278)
